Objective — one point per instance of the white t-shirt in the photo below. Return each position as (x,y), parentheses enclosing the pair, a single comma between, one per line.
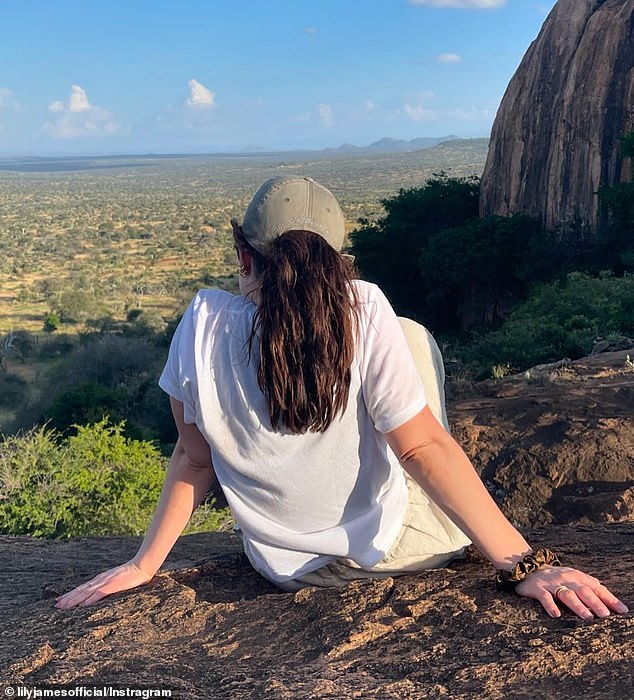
(300,500)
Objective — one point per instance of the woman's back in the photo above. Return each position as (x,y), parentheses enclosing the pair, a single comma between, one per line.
(271,476)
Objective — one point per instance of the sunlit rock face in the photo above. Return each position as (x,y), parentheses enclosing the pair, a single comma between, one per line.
(555,138)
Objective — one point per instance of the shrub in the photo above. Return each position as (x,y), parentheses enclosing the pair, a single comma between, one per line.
(97,482)
(76,305)
(12,388)
(617,239)
(102,375)
(627,145)
(85,403)
(18,344)
(56,346)
(51,321)
(145,324)
(561,319)
(208,518)
(617,209)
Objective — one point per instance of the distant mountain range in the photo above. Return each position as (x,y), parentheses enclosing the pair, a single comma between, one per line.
(65,162)
(388,145)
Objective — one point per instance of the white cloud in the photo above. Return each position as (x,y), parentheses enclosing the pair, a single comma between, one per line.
(7,101)
(449,58)
(79,118)
(200,97)
(78,100)
(198,113)
(310,30)
(369,106)
(461,4)
(416,108)
(472,114)
(326,115)
(419,113)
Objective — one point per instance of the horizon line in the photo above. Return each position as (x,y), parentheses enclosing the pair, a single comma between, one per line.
(240,152)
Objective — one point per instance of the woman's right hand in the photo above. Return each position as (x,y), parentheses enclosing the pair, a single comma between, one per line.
(121,578)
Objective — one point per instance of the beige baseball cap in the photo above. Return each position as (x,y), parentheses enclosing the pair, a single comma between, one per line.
(293,204)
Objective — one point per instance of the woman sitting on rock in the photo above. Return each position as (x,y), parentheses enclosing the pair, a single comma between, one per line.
(321,415)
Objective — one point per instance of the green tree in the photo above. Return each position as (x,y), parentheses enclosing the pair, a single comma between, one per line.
(12,389)
(627,145)
(388,251)
(617,240)
(97,375)
(479,271)
(86,403)
(51,321)
(77,305)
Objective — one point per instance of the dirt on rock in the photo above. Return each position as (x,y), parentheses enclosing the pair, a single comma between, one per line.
(555,448)
(555,444)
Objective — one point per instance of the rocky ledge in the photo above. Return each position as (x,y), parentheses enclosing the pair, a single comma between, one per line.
(554,446)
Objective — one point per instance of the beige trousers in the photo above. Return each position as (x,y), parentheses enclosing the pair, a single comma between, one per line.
(428,538)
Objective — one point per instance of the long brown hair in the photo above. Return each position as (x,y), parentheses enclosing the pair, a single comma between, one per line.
(306,327)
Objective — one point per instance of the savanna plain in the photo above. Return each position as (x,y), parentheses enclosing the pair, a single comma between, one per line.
(131,232)
(90,244)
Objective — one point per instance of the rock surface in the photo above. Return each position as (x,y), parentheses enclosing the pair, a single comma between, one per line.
(555,138)
(555,447)
(555,444)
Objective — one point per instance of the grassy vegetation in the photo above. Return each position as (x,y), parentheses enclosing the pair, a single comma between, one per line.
(96,482)
(559,319)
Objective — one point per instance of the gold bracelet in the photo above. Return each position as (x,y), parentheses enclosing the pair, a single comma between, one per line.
(538,559)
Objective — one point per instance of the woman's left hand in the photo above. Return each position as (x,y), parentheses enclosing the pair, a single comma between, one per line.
(585,595)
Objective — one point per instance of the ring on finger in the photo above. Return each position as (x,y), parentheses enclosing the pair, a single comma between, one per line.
(559,590)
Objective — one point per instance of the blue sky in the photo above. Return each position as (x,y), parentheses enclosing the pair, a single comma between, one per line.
(166,76)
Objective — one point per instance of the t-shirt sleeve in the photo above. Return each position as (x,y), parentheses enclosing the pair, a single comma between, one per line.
(178,378)
(392,388)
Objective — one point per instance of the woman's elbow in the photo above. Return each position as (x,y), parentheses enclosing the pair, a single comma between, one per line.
(188,459)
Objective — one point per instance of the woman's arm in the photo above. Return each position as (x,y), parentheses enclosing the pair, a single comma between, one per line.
(189,478)
(433,458)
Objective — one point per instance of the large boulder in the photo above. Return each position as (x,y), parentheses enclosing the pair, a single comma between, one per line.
(555,138)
